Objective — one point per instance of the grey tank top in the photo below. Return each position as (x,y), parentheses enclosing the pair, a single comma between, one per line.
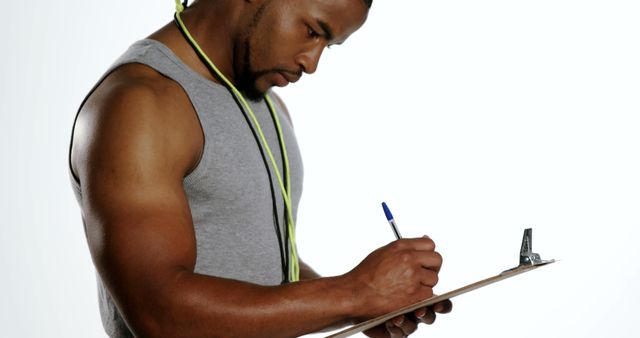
(229,192)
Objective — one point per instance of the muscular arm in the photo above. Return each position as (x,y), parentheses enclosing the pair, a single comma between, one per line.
(132,157)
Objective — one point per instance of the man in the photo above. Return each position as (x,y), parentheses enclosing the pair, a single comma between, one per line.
(182,208)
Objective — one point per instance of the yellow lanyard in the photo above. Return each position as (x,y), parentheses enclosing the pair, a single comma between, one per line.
(294,267)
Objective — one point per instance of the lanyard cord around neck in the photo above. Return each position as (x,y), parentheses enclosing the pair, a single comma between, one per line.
(294,269)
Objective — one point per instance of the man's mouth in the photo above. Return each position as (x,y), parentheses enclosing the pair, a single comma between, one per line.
(280,79)
(290,77)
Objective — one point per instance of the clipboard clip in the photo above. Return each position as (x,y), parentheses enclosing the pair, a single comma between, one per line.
(527,256)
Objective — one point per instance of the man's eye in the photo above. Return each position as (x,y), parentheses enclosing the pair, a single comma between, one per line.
(312,33)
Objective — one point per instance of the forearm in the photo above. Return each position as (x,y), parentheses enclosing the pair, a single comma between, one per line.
(203,306)
(307,273)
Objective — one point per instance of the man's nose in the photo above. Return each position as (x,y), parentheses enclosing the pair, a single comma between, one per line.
(309,59)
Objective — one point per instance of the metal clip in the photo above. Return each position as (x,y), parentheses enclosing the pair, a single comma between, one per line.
(527,256)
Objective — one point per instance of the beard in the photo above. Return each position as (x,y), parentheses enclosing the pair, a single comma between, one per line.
(247,78)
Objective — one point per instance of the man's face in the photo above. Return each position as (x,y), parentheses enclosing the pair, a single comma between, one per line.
(287,37)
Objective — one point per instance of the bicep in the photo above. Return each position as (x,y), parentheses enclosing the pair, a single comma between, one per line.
(137,225)
(137,217)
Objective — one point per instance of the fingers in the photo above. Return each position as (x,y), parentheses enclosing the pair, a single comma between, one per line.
(420,244)
(428,278)
(401,326)
(427,315)
(444,306)
(432,261)
(420,250)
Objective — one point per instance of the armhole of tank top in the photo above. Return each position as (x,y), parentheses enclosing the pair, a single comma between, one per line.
(193,173)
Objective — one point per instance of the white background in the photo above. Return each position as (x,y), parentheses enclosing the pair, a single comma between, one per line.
(471,119)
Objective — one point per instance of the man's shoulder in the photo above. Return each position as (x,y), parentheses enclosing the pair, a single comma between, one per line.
(135,109)
(134,84)
(136,93)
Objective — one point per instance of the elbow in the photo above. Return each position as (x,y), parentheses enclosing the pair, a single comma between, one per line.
(162,314)
(152,316)
(145,325)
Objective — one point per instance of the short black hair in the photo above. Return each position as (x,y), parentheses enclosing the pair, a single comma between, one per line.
(368,3)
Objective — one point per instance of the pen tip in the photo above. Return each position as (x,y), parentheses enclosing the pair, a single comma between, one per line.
(387,212)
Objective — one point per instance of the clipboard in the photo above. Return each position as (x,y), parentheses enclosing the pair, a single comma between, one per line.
(528,261)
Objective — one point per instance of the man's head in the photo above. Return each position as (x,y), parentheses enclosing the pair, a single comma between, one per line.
(282,39)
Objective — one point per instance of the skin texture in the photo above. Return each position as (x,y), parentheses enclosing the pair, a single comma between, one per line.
(137,137)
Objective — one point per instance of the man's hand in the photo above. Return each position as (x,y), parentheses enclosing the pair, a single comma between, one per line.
(403,326)
(399,274)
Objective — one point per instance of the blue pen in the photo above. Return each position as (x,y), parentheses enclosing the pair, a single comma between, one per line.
(387,213)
